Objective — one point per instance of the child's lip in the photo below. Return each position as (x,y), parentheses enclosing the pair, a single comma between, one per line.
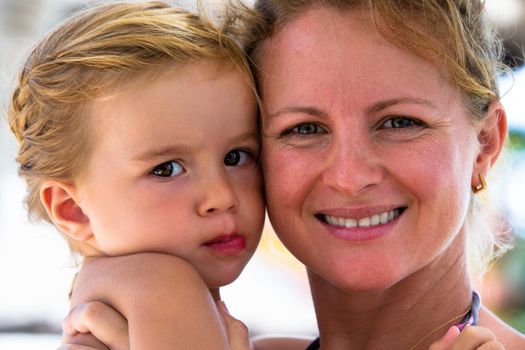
(223,238)
(228,244)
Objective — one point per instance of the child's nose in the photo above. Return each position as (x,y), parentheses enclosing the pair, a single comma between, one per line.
(218,196)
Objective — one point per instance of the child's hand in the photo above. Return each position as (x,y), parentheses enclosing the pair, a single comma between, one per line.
(95,326)
(91,325)
(238,334)
(472,337)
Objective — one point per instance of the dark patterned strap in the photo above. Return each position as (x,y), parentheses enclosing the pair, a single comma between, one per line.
(476,303)
(472,317)
(314,346)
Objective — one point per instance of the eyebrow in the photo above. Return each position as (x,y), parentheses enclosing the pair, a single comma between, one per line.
(178,150)
(375,108)
(249,136)
(299,109)
(162,152)
(379,106)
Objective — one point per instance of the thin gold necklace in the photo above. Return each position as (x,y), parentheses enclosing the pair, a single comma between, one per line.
(439,327)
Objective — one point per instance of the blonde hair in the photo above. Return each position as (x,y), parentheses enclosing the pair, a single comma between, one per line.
(452,33)
(87,56)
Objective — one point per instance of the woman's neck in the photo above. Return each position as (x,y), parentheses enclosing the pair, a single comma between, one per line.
(400,316)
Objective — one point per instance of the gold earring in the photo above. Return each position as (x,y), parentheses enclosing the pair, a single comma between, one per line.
(481,186)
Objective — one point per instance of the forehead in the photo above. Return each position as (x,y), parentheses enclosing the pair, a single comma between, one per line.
(181,102)
(340,56)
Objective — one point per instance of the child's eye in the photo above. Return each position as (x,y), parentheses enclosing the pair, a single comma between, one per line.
(400,122)
(168,169)
(304,129)
(236,157)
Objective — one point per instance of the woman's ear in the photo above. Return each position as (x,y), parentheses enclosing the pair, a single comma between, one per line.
(491,135)
(60,201)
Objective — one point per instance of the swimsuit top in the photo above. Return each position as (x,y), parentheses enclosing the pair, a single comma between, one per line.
(471,318)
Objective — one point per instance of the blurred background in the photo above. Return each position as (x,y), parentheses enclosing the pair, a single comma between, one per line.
(272,295)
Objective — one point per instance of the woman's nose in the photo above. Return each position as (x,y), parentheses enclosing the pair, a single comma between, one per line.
(218,195)
(352,168)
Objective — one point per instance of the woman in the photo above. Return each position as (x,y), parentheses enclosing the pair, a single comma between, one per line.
(381,120)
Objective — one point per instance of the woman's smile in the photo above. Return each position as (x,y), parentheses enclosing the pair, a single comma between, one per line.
(367,221)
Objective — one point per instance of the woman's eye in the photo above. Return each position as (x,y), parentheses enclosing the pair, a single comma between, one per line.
(236,158)
(168,169)
(305,129)
(399,123)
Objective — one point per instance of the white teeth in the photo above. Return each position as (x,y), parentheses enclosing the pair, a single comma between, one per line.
(350,223)
(364,222)
(374,220)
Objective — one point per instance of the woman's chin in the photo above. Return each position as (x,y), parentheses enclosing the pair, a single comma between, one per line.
(363,280)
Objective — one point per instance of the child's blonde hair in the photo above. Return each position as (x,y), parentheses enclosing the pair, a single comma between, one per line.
(89,55)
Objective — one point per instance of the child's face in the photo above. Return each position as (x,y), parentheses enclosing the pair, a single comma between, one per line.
(174,170)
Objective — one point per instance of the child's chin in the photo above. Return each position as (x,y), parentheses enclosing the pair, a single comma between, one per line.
(221,280)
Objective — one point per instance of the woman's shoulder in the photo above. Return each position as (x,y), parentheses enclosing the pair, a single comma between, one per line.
(281,342)
(508,336)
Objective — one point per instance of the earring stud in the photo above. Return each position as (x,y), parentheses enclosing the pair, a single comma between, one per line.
(481,186)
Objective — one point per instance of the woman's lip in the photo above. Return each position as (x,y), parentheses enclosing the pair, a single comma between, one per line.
(358,233)
(372,220)
(228,244)
(358,213)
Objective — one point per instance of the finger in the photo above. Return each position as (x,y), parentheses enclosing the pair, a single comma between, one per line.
(448,339)
(105,323)
(86,340)
(67,324)
(237,332)
(492,345)
(472,337)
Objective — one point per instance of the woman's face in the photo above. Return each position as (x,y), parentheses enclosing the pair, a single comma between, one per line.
(368,151)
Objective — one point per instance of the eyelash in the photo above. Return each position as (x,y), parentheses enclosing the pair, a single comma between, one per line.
(249,156)
(294,131)
(156,171)
(171,162)
(413,123)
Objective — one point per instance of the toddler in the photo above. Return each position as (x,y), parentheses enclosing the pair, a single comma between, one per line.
(137,131)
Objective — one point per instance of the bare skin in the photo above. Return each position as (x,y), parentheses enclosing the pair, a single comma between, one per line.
(111,327)
(191,194)
(143,305)
(371,128)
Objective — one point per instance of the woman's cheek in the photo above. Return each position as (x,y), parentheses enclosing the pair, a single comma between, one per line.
(287,173)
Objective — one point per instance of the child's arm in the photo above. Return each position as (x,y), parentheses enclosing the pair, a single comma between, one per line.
(175,311)
(99,323)
(472,337)
(94,325)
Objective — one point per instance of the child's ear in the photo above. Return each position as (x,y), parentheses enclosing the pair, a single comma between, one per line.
(491,134)
(60,201)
